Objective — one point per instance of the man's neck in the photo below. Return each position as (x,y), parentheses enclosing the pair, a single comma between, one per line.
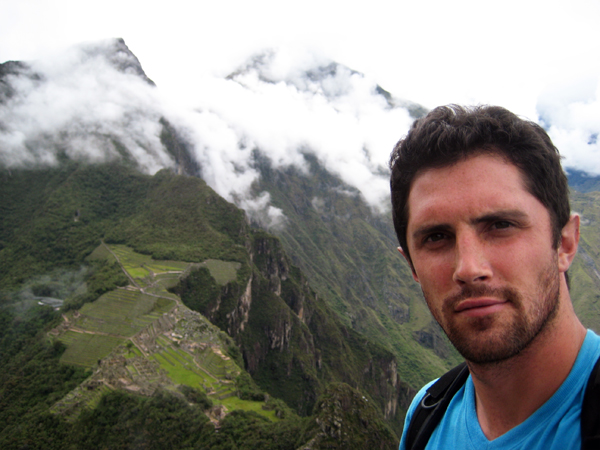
(507,393)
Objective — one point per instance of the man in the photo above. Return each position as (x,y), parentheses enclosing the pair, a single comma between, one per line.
(481,209)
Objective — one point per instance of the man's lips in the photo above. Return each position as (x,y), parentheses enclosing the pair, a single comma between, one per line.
(479,306)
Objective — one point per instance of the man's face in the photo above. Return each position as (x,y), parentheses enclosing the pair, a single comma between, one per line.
(482,249)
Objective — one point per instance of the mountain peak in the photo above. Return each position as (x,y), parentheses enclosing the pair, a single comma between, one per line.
(117,54)
(307,73)
(91,103)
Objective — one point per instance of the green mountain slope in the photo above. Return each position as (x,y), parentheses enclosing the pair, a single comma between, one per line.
(291,343)
(349,255)
(585,271)
(583,182)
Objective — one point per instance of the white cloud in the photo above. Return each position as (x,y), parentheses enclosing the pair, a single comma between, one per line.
(335,115)
(263,213)
(570,110)
(80,100)
(287,104)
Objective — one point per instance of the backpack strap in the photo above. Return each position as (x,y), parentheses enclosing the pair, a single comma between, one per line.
(432,407)
(590,412)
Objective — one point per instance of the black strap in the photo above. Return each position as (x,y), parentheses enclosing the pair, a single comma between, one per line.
(433,406)
(590,412)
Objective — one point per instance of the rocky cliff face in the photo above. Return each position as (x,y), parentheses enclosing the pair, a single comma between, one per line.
(344,418)
(292,343)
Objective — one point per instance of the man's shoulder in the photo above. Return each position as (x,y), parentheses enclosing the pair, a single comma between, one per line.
(593,336)
(586,360)
(417,398)
(590,349)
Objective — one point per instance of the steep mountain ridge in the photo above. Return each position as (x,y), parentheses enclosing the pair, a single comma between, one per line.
(291,342)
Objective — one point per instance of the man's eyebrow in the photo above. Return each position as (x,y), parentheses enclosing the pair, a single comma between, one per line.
(509,214)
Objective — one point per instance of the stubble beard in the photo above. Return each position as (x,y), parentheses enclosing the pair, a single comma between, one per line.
(492,339)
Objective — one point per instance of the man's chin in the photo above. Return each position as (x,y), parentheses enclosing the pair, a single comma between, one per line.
(484,344)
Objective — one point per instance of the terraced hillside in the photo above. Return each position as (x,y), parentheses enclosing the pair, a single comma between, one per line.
(141,338)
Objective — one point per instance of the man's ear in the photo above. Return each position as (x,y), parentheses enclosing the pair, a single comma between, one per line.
(410,264)
(568,243)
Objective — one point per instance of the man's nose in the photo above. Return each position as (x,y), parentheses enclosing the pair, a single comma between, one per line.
(472,264)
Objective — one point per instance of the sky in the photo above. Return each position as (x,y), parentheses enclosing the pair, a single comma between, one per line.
(432,52)
(540,59)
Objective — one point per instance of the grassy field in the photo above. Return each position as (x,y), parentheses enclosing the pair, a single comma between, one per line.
(233,403)
(122,312)
(222,271)
(143,268)
(205,369)
(86,349)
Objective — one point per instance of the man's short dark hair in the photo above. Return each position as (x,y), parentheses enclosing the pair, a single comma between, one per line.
(449,134)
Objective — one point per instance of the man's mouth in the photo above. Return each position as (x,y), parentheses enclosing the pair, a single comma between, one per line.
(476,307)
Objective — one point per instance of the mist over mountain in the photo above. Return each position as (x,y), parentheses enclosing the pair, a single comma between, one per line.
(285,109)
(82,192)
(286,105)
(67,106)
(583,181)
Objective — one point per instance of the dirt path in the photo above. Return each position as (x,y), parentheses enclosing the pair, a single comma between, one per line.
(99,333)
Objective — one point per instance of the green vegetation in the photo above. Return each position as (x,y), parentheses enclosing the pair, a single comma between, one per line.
(222,271)
(32,379)
(585,271)
(344,419)
(349,255)
(196,397)
(86,349)
(292,344)
(198,290)
(126,272)
(97,331)
(124,355)
(31,376)
(207,226)
(56,217)
(247,388)
(93,332)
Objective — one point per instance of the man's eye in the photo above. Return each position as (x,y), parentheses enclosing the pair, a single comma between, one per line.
(501,224)
(435,237)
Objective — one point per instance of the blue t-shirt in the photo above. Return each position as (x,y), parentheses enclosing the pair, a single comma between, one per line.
(554,426)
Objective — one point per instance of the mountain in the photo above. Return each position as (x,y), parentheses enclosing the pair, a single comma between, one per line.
(343,242)
(582,181)
(290,323)
(88,218)
(585,271)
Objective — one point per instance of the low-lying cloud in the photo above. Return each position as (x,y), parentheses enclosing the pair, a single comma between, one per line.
(288,110)
(80,105)
(91,104)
